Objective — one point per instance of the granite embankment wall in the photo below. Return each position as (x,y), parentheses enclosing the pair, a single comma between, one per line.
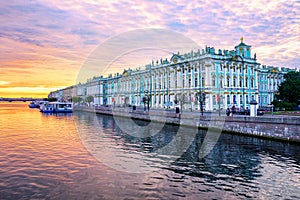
(275,127)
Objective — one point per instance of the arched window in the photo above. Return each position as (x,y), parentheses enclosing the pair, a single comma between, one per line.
(214,99)
(228,99)
(247,99)
(234,82)
(246,82)
(252,83)
(241,82)
(213,81)
(241,99)
(228,81)
(234,99)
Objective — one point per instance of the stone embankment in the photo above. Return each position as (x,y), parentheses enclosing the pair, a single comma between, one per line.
(274,127)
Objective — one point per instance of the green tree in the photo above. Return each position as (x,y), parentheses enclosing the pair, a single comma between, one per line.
(89,99)
(52,99)
(183,99)
(289,90)
(76,99)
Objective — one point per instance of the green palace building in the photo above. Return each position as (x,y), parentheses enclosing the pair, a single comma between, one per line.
(217,79)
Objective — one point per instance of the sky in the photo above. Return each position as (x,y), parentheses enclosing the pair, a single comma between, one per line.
(45,43)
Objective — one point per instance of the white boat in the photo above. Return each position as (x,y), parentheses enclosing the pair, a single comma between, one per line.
(57,107)
(62,107)
(46,108)
(37,104)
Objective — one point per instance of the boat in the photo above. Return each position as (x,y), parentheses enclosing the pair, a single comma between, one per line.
(33,104)
(57,107)
(36,104)
(46,108)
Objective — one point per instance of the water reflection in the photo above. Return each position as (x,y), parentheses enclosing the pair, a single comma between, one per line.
(44,157)
(235,164)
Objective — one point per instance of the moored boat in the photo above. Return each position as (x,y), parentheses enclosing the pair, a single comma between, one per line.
(33,105)
(57,107)
(47,108)
(36,104)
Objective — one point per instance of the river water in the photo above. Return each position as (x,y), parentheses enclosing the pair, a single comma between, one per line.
(88,156)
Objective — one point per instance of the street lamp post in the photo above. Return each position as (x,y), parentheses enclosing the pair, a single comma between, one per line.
(146,100)
(219,99)
(201,99)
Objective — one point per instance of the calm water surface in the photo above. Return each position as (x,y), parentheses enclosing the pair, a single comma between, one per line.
(51,157)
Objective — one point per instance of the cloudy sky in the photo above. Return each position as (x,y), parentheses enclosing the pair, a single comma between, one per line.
(44,43)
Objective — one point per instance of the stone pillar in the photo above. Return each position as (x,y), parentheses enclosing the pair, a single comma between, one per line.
(253,110)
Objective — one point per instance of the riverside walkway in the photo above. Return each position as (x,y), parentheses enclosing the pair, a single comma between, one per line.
(277,127)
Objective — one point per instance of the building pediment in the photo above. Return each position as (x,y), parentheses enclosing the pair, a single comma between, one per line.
(175,59)
(125,73)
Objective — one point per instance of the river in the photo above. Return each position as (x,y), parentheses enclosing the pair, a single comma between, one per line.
(88,156)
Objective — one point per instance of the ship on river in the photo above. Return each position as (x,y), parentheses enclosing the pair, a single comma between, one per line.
(57,107)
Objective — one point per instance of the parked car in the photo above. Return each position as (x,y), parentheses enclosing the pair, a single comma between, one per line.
(260,112)
(241,111)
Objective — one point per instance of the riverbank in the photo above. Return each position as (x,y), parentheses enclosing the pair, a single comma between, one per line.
(284,128)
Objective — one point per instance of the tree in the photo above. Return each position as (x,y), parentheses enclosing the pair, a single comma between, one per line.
(289,90)
(76,99)
(51,99)
(89,99)
(182,100)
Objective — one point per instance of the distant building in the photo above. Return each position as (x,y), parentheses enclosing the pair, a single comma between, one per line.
(227,78)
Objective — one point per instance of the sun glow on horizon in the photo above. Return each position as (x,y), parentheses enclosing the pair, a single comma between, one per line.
(45,43)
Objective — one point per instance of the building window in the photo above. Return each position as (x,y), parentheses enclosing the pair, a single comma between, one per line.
(234,82)
(252,83)
(241,82)
(196,81)
(241,99)
(213,81)
(266,99)
(234,99)
(214,99)
(221,83)
(203,81)
(246,82)
(228,99)
(247,99)
(228,81)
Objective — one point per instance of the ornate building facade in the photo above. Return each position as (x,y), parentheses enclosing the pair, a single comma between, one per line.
(226,78)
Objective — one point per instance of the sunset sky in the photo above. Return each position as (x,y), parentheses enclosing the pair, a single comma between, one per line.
(45,42)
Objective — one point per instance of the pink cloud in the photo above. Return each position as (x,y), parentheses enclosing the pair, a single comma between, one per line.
(61,34)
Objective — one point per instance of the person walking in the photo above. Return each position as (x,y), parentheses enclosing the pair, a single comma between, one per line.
(228,112)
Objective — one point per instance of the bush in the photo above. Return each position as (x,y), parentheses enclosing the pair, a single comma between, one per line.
(280,105)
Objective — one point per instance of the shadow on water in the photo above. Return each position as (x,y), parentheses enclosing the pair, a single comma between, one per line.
(232,155)
(235,163)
